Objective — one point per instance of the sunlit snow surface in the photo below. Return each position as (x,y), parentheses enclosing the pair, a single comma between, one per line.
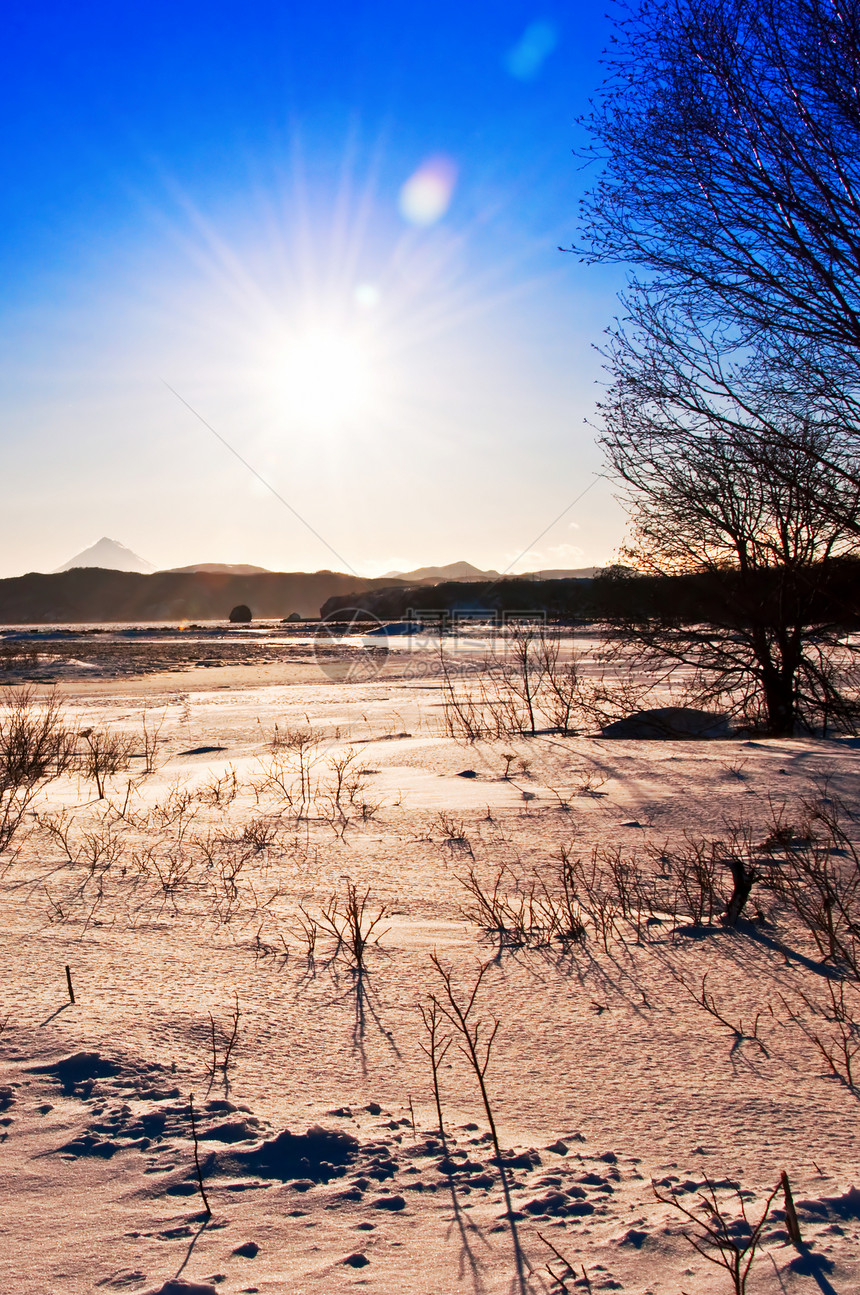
(177,902)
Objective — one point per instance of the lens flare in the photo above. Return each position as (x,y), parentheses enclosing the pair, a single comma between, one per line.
(535,45)
(426,195)
(367,296)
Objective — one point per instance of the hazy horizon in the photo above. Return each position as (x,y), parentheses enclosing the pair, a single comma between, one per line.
(99,554)
(335,236)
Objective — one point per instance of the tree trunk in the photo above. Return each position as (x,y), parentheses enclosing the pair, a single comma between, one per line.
(780,700)
(743,880)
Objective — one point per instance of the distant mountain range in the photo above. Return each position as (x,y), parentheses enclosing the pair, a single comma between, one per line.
(465,571)
(453,571)
(110,555)
(221,569)
(209,591)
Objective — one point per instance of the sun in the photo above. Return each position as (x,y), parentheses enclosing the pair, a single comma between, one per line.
(326,376)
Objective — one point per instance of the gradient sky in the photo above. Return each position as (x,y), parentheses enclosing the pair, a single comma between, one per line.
(332,229)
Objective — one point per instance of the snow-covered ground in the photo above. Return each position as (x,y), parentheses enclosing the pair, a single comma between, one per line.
(176,904)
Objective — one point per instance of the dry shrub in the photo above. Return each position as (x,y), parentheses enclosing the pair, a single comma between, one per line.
(288,773)
(349,921)
(473,1036)
(689,882)
(531,688)
(17,656)
(528,689)
(453,831)
(727,1240)
(537,912)
(833,1027)
(176,811)
(36,746)
(603,901)
(811,865)
(815,871)
(220,790)
(102,754)
(298,776)
(96,846)
(609,894)
(259,833)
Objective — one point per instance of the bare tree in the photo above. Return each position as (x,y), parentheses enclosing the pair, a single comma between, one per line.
(729,132)
(729,137)
(756,619)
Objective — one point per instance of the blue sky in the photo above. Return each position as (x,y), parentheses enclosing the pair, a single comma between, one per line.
(333,230)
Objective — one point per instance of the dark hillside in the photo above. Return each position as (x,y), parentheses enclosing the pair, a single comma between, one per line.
(824,593)
(95,594)
(558,598)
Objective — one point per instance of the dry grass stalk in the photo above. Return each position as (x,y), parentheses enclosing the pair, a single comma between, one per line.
(475,1038)
(228,1043)
(569,1271)
(151,728)
(206,1204)
(792,1222)
(435,1049)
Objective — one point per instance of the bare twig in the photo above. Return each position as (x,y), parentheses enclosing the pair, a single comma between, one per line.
(206,1204)
(229,1043)
(475,1040)
(728,1243)
(840,1049)
(435,1050)
(709,1004)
